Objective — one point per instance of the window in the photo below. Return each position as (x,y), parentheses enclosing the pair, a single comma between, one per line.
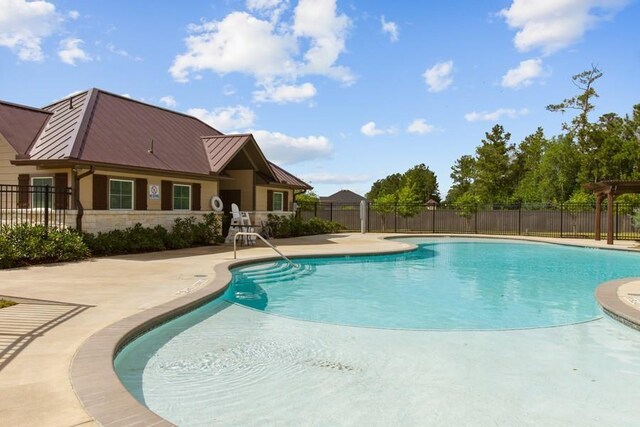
(120,194)
(38,194)
(181,197)
(278,198)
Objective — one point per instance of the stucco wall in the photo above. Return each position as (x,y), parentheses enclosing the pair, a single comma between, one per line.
(8,172)
(208,188)
(243,181)
(261,197)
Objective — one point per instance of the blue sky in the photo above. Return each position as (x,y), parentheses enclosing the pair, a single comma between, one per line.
(340,93)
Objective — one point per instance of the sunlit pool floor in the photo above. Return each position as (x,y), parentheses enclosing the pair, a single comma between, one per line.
(258,369)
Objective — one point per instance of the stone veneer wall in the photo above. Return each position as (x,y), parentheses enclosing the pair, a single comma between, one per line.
(96,221)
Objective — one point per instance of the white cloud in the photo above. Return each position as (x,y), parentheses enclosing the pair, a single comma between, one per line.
(495,115)
(121,52)
(271,8)
(552,25)
(73,14)
(524,75)
(390,28)
(284,150)
(24,25)
(227,118)
(168,101)
(420,127)
(285,93)
(238,43)
(370,129)
(228,90)
(318,21)
(269,50)
(438,77)
(70,51)
(330,178)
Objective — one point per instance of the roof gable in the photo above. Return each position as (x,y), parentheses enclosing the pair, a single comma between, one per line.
(287,178)
(20,125)
(221,151)
(343,196)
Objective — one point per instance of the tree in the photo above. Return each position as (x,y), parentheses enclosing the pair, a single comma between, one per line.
(463,173)
(526,167)
(493,181)
(423,183)
(384,205)
(582,102)
(389,185)
(559,170)
(409,202)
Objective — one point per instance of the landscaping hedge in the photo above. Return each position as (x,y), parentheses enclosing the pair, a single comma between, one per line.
(33,244)
(289,226)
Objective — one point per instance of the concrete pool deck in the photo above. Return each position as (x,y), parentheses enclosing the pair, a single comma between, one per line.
(63,305)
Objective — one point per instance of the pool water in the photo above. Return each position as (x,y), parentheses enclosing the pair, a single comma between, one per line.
(277,350)
(443,284)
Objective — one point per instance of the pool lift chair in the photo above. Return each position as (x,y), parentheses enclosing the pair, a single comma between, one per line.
(240,221)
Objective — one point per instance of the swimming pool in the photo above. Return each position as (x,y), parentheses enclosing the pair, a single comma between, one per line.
(476,356)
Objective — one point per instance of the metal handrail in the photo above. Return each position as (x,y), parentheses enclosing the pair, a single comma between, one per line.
(247,233)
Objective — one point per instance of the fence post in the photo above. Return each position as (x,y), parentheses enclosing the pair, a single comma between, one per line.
(617,204)
(46,209)
(561,218)
(475,218)
(395,217)
(368,217)
(331,211)
(433,220)
(315,209)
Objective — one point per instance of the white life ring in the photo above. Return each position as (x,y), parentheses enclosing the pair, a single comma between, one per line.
(216,204)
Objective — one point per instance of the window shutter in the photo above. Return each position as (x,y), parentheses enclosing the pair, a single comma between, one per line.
(23,191)
(141,194)
(61,196)
(269,200)
(285,200)
(166,195)
(195,197)
(100,192)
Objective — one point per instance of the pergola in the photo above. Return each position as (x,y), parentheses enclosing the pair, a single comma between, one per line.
(610,189)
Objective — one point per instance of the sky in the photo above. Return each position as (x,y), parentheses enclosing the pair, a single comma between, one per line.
(339,93)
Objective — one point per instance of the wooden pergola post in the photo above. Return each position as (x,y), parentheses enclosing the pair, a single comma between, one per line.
(598,219)
(611,189)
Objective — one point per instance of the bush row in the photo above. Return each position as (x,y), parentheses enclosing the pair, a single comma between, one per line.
(186,233)
(33,244)
(289,226)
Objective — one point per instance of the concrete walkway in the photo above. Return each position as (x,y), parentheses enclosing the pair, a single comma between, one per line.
(62,305)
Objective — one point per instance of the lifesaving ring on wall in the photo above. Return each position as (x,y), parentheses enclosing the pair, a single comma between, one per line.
(216,204)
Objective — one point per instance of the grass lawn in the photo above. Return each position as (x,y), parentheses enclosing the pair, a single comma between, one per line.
(6,303)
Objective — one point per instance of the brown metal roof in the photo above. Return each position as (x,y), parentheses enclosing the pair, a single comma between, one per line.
(20,125)
(290,180)
(58,138)
(99,127)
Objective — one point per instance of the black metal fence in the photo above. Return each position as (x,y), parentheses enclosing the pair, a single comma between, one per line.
(20,204)
(562,220)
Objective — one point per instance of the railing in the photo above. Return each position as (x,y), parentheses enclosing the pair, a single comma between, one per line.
(247,234)
(575,220)
(42,205)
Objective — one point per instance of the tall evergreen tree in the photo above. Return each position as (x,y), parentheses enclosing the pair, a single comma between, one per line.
(494,180)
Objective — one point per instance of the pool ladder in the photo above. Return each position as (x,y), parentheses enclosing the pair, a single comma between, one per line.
(247,233)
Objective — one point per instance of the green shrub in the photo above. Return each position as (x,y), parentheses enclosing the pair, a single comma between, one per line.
(33,244)
(289,226)
(186,232)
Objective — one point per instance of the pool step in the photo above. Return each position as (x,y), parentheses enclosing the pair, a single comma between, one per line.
(277,274)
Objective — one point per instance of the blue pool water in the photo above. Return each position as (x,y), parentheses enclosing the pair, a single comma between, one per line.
(443,284)
(469,345)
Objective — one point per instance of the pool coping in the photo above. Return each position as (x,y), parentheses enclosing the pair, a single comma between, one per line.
(109,403)
(609,298)
(92,373)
